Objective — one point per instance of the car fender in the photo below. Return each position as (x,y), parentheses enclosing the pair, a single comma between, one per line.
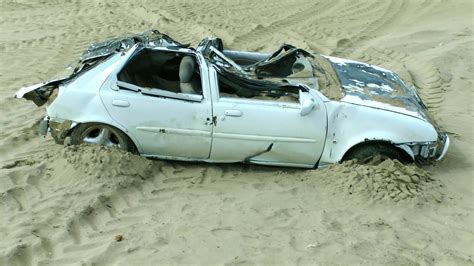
(350,125)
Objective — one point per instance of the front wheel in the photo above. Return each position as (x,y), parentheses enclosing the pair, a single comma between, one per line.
(101,134)
(374,153)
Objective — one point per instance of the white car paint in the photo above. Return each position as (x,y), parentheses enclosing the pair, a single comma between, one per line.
(295,140)
(163,126)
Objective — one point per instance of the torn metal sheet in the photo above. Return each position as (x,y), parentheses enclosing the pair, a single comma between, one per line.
(274,73)
(281,73)
(95,54)
(150,38)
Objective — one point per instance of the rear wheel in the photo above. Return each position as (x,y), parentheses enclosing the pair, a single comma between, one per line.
(374,153)
(101,134)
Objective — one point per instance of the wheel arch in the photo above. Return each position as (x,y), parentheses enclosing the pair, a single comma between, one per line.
(74,126)
(406,156)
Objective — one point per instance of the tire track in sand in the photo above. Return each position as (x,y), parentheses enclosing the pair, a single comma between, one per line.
(413,69)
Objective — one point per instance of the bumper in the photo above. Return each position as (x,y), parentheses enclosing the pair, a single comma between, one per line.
(428,151)
(43,127)
(58,129)
(443,145)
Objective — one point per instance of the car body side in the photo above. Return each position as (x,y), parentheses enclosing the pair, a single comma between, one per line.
(347,124)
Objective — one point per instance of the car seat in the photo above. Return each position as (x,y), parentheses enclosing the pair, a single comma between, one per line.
(187,78)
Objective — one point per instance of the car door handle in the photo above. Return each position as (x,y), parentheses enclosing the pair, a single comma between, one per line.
(235,113)
(120,103)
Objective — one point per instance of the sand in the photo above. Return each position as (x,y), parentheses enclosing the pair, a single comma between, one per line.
(89,205)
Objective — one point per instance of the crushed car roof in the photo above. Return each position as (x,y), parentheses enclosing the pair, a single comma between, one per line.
(150,38)
(287,70)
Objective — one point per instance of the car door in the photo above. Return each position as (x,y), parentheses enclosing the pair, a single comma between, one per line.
(269,132)
(163,123)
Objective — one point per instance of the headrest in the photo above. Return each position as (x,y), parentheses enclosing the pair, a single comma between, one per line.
(186,69)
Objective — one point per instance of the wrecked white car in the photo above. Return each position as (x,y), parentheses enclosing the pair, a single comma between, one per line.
(149,94)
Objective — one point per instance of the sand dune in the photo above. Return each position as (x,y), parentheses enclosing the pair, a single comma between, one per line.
(66,205)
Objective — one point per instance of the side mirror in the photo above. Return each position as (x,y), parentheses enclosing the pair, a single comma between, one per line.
(307,106)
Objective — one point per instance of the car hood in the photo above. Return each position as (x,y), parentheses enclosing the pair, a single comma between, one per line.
(376,87)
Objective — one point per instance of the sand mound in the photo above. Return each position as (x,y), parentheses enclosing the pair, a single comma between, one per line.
(389,180)
(103,163)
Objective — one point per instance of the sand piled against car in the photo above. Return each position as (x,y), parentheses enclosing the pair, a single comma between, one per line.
(388,181)
(106,164)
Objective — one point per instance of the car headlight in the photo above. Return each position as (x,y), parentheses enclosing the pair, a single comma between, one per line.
(428,150)
(424,149)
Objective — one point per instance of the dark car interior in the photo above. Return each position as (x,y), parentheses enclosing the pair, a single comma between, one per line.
(165,70)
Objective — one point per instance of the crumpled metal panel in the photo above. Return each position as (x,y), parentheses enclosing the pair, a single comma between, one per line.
(275,75)
(371,82)
(377,87)
(93,56)
(150,38)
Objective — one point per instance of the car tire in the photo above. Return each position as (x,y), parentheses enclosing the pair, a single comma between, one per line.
(101,134)
(374,153)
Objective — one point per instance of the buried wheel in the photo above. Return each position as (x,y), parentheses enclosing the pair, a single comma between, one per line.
(100,134)
(374,153)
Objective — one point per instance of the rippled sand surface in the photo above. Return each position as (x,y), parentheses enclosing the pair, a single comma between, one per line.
(68,205)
